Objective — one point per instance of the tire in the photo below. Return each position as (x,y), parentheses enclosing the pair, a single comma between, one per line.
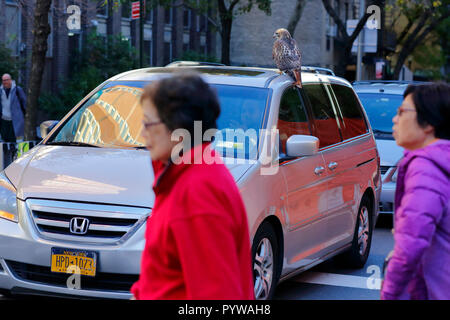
(5,293)
(265,262)
(357,255)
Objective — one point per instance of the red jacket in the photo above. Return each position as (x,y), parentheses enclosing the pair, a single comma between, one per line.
(197,238)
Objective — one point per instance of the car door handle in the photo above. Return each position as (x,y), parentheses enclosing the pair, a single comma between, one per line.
(332,165)
(319,170)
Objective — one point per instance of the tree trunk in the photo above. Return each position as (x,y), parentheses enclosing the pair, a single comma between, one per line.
(226,20)
(40,32)
(226,39)
(346,39)
(296,15)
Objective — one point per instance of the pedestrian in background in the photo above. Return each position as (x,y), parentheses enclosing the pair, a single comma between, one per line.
(197,238)
(12,109)
(420,264)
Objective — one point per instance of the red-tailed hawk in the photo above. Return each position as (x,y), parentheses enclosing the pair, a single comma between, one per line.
(287,55)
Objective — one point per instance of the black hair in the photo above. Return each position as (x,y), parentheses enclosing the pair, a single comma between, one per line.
(432,103)
(182,99)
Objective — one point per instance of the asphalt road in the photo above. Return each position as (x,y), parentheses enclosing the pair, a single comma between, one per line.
(329,281)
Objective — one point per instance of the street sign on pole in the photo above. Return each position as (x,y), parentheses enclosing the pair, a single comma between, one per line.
(135,10)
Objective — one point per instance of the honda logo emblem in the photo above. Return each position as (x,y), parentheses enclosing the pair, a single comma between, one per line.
(79,225)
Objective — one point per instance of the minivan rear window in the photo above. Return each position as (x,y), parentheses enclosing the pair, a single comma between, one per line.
(353,123)
(327,128)
(112,118)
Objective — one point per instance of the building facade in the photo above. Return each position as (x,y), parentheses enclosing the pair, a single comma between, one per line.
(168,33)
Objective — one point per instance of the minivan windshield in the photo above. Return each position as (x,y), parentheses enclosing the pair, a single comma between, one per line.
(112,118)
(380,109)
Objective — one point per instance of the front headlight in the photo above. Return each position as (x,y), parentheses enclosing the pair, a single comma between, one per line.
(8,202)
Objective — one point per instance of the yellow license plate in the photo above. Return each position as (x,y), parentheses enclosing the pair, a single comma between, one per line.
(81,262)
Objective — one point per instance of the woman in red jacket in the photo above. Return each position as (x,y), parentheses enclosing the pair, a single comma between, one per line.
(197,238)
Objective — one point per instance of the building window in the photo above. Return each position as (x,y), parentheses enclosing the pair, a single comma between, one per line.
(149,16)
(203,50)
(168,16)
(202,23)
(346,11)
(330,26)
(148,51)
(102,8)
(13,29)
(328,43)
(126,9)
(167,53)
(187,18)
(49,52)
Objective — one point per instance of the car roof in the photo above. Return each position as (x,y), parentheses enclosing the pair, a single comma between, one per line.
(386,87)
(242,76)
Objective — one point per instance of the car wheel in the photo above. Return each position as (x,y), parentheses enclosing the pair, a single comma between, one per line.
(357,256)
(5,293)
(265,262)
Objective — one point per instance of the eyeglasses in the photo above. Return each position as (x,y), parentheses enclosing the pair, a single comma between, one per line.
(401,110)
(148,125)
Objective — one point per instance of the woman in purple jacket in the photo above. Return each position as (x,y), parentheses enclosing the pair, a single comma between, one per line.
(420,264)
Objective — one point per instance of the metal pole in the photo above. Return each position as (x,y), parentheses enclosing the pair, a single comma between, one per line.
(362,7)
(141,33)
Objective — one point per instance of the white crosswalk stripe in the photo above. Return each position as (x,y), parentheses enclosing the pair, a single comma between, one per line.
(340,280)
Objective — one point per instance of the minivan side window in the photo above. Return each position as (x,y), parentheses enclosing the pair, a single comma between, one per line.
(327,128)
(353,123)
(292,117)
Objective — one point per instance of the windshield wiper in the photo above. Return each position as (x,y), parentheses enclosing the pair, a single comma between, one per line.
(71,143)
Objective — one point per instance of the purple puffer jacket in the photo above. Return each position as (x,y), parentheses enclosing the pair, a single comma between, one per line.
(420,264)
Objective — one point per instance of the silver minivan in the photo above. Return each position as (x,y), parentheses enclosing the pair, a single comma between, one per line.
(73,209)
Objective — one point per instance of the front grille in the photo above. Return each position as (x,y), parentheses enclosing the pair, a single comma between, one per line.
(386,207)
(102,281)
(384,169)
(107,224)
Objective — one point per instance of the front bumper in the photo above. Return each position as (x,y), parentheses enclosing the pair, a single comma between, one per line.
(387,197)
(25,261)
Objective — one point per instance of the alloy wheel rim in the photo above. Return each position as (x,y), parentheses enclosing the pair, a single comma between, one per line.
(263,269)
(363,230)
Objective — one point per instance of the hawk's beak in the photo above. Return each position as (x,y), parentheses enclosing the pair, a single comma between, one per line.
(274,36)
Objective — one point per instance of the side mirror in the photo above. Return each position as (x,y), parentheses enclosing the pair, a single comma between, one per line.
(47,126)
(302,145)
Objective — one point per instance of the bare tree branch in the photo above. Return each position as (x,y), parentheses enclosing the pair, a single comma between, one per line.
(359,27)
(415,39)
(340,24)
(420,24)
(232,5)
(296,15)
(405,31)
(394,20)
